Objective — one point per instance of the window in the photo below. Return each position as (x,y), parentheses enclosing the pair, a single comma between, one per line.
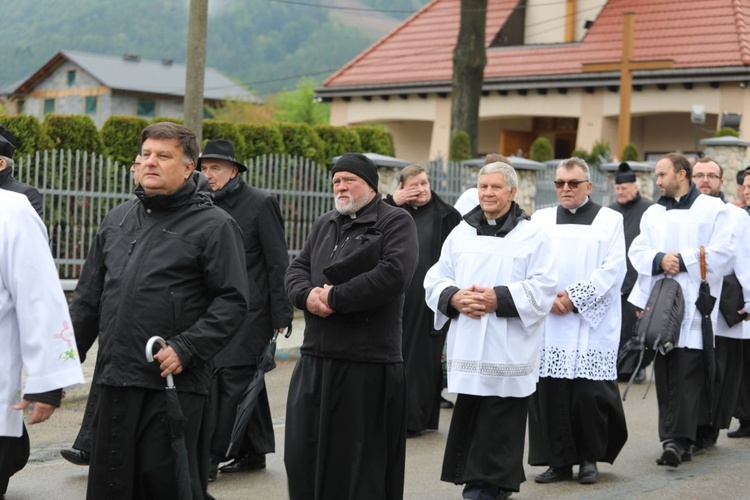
(71,77)
(91,102)
(146,108)
(49,106)
(21,106)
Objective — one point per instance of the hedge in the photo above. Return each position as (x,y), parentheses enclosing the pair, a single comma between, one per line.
(30,136)
(260,139)
(338,140)
(375,140)
(73,132)
(217,129)
(301,140)
(121,136)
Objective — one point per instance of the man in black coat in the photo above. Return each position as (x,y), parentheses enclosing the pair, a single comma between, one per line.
(422,344)
(7,147)
(630,204)
(346,414)
(167,263)
(258,215)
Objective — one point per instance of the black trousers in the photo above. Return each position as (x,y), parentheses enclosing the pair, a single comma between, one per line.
(729,368)
(575,420)
(132,452)
(14,453)
(345,430)
(84,438)
(228,385)
(742,409)
(681,394)
(485,442)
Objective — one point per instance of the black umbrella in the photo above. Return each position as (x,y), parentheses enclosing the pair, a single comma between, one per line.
(705,304)
(249,398)
(176,420)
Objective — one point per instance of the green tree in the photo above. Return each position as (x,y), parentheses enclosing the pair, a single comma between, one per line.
(301,140)
(301,106)
(541,150)
(76,132)
(260,139)
(726,131)
(630,153)
(375,139)
(338,140)
(121,136)
(460,149)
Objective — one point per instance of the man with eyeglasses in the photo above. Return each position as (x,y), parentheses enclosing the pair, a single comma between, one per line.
(731,342)
(576,416)
(672,232)
(631,205)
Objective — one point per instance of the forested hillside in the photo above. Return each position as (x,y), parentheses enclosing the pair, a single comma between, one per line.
(268,45)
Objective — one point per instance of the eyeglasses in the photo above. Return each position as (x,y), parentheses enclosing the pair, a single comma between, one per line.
(710,177)
(572,184)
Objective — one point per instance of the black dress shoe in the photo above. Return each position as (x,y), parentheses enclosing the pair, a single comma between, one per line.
(444,403)
(588,473)
(671,456)
(244,464)
(741,432)
(555,475)
(76,457)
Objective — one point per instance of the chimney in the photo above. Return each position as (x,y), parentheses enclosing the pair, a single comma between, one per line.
(167,61)
(127,56)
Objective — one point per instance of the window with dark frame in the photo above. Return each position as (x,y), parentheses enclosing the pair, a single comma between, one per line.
(71,77)
(91,104)
(49,106)
(146,108)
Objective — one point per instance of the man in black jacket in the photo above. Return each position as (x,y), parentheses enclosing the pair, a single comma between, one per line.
(422,344)
(346,415)
(7,147)
(631,205)
(258,215)
(167,263)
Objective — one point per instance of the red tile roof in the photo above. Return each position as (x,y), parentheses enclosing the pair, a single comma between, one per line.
(692,33)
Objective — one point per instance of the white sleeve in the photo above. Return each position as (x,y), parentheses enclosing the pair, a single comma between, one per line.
(535,295)
(439,277)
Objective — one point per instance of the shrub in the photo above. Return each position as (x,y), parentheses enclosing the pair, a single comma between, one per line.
(260,139)
(158,119)
(301,140)
(581,153)
(630,153)
(30,136)
(215,129)
(375,139)
(337,140)
(460,148)
(121,137)
(726,131)
(75,132)
(599,153)
(541,150)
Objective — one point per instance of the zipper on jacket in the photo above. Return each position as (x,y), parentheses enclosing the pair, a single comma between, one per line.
(132,244)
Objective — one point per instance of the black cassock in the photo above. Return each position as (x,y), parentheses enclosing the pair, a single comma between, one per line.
(422,345)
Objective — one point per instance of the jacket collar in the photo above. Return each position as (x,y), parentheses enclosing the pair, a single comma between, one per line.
(685,202)
(505,225)
(6,175)
(366,215)
(182,196)
(230,192)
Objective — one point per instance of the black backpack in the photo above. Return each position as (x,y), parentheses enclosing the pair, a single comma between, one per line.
(662,317)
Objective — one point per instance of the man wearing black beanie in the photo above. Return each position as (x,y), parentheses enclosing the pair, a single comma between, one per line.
(346,410)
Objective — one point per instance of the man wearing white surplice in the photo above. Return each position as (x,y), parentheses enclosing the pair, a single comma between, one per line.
(672,232)
(576,416)
(496,280)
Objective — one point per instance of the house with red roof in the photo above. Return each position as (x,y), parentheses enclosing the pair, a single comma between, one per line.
(545,76)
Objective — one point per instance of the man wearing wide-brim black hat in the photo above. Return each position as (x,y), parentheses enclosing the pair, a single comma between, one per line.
(259,217)
(7,182)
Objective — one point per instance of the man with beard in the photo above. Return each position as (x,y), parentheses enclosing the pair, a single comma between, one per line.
(630,204)
(576,416)
(496,281)
(672,232)
(167,263)
(258,215)
(422,344)
(346,414)
(730,341)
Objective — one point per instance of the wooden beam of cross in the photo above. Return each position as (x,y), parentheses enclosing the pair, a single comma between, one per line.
(626,68)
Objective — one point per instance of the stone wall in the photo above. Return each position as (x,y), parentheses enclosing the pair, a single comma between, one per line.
(732,158)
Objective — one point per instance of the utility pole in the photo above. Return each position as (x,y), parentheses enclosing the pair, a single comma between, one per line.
(196,67)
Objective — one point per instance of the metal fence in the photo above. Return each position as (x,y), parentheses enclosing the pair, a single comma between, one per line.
(80,188)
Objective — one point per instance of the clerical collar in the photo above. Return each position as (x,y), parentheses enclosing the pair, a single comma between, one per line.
(574,210)
(683,202)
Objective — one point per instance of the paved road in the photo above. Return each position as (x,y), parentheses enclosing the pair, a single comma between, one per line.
(722,473)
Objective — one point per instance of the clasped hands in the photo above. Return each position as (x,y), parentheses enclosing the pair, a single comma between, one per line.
(563,304)
(670,264)
(475,301)
(317,301)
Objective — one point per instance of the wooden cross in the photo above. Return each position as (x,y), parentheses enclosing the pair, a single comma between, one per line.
(626,68)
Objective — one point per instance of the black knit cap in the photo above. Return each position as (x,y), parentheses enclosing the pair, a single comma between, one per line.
(624,174)
(359,165)
(7,143)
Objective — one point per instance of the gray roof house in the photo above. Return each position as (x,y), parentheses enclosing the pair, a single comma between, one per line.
(100,86)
